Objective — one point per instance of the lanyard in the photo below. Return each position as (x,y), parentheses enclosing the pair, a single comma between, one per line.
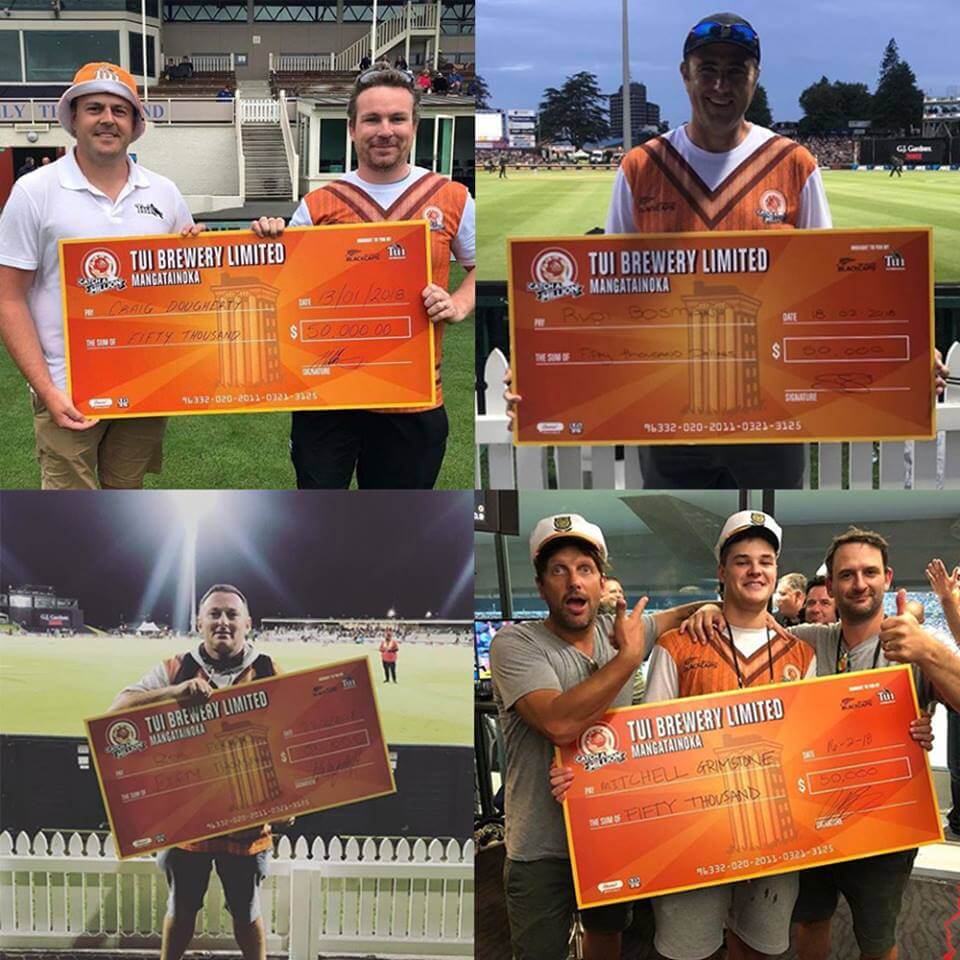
(736,657)
(843,655)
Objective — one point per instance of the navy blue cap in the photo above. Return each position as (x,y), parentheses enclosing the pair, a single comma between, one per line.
(723,28)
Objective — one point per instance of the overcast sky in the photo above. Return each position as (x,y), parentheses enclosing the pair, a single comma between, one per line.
(524,46)
(294,554)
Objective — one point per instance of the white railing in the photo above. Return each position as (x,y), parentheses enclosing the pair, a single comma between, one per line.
(258,111)
(920,464)
(290,148)
(392,898)
(241,159)
(212,62)
(423,16)
(417,16)
(300,62)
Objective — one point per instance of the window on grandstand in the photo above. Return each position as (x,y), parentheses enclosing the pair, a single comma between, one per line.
(457,18)
(300,12)
(136,55)
(333,146)
(10,55)
(357,13)
(53,55)
(303,138)
(423,151)
(205,12)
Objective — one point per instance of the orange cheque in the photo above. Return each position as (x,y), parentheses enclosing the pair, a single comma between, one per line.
(738,337)
(708,790)
(261,751)
(228,322)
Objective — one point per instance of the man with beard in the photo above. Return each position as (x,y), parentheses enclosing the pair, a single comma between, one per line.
(818,607)
(858,577)
(756,913)
(552,678)
(390,449)
(224,658)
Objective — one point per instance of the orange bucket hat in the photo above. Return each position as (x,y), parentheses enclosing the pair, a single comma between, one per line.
(101,78)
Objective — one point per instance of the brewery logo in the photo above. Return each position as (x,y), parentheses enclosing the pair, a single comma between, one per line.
(123,738)
(101,270)
(435,217)
(773,207)
(554,274)
(598,747)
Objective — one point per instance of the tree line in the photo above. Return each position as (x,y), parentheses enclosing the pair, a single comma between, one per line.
(579,113)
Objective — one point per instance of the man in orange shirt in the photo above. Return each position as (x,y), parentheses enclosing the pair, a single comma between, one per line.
(223,659)
(389,449)
(389,650)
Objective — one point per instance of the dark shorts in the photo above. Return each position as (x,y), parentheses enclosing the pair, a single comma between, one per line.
(540,906)
(388,450)
(189,873)
(873,887)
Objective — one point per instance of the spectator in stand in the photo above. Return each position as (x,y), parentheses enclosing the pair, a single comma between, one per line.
(29,165)
(365,63)
(456,81)
(440,84)
(186,66)
(224,93)
(423,81)
(400,63)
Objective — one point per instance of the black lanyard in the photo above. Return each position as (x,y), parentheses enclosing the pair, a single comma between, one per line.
(736,657)
(843,658)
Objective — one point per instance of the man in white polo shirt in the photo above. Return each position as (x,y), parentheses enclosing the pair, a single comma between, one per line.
(94,190)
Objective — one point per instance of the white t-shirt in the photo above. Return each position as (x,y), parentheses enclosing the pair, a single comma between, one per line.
(663,683)
(713,169)
(464,246)
(57,202)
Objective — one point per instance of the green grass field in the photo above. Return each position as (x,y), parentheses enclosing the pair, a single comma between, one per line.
(246,450)
(49,685)
(556,203)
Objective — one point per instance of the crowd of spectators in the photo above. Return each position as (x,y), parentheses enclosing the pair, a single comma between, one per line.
(448,79)
(831,151)
(368,632)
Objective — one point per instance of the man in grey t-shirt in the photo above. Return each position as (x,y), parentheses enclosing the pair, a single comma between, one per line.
(551,680)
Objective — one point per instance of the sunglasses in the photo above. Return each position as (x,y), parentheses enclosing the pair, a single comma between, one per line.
(374,77)
(710,29)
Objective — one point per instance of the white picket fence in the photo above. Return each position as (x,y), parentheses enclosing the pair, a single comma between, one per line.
(300,62)
(386,898)
(921,465)
(212,62)
(258,111)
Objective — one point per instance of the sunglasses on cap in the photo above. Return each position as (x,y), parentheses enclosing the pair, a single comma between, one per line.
(376,75)
(711,30)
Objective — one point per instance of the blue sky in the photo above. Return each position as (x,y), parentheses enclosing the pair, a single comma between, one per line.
(524,46)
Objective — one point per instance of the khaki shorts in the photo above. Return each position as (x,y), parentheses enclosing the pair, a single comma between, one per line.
(117,453)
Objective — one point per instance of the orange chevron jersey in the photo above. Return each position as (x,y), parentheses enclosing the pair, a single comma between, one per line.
(669,184)
(683,667)
(253,840)
(431,197)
